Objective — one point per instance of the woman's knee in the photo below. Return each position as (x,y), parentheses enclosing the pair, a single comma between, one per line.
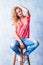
(36,45)
(14,43)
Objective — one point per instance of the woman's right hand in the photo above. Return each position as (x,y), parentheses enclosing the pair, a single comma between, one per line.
(22,45)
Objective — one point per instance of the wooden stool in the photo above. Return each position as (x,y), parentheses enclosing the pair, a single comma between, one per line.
(21,57)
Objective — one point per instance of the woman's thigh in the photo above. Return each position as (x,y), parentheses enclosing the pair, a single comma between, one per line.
(27,41)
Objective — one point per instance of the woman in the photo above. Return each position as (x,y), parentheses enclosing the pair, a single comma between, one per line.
(21,24)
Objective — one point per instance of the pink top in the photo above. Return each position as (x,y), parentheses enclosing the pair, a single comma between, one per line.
(23,29)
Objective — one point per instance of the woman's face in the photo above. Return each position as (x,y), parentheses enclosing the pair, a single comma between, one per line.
(19,12)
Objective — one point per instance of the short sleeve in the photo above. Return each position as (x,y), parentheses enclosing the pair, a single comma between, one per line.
(28,18)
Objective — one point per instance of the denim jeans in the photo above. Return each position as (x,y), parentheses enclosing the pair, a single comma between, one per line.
(27,42)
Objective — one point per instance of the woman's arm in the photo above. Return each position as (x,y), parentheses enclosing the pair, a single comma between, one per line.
(16,36)
(25,9)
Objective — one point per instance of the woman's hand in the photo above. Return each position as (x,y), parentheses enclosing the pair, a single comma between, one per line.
(22,45)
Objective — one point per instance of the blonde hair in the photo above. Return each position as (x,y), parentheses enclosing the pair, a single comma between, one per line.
(14,16)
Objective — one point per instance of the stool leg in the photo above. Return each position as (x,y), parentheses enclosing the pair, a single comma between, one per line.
(21,62)
(14,61)
(28,60)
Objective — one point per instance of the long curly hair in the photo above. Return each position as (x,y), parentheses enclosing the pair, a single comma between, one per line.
(14,16)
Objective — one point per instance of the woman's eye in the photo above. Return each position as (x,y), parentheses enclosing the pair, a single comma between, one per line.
(19,11)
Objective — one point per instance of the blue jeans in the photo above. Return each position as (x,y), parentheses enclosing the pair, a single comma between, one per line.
(27,42)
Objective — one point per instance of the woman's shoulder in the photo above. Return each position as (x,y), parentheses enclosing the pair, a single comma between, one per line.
(14,24)
(27,18)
